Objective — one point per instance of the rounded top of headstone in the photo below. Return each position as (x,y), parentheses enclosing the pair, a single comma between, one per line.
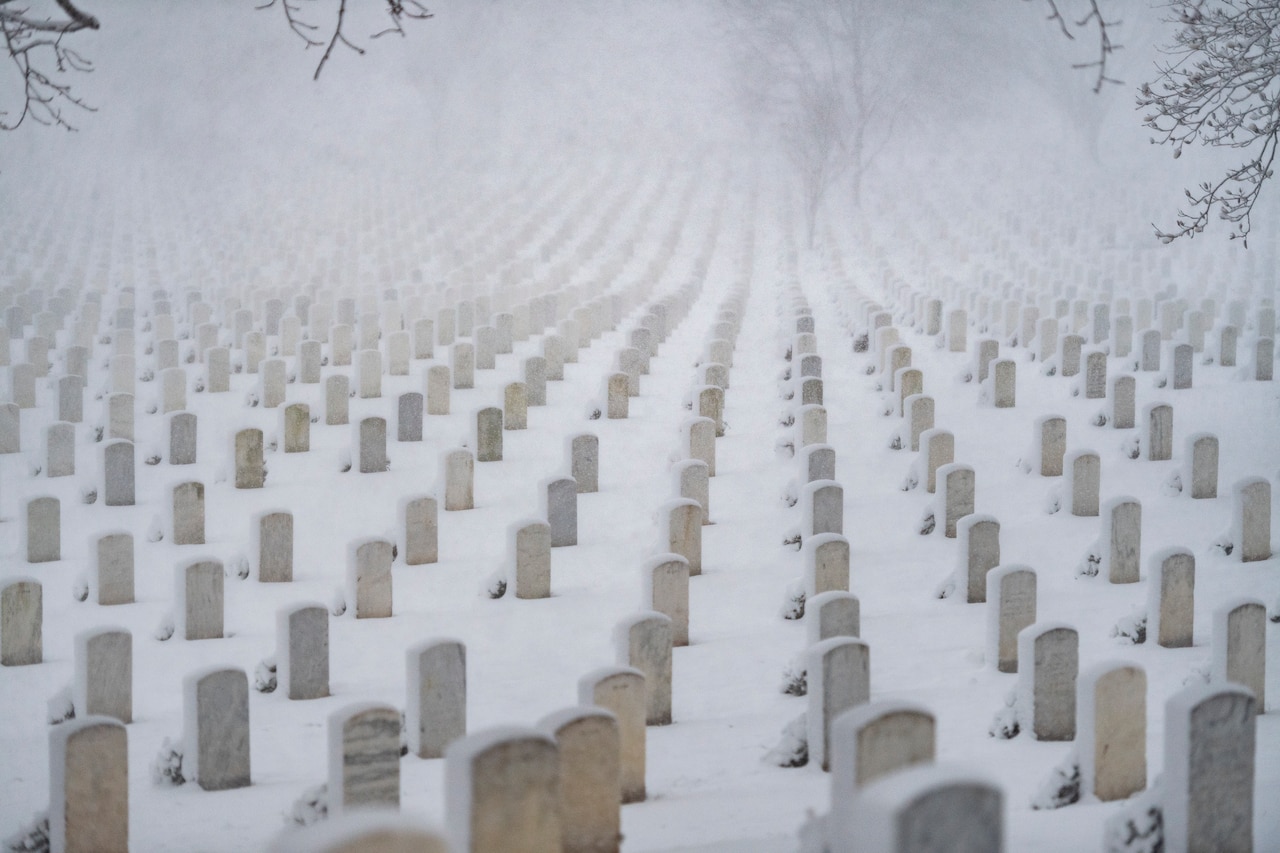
(347,713)
(822,647)
(466,748)
(552,723)
(1184,700)
(857,717)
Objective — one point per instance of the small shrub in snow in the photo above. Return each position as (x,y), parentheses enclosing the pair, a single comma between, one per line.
(1100,419)
(1131,630)
(911,481)
(793,749)
(264,676)
(1161,381)
(199,386)
(32,837)
(795,678)
(1172,486)
(61,707)
(1052,501)
(784,448)
(166,769)
(793,606)
(790,495)
(594,414)
(1223,545)
(1275,611)
(1198,675)
(787,420)
(89,495)
(1005,725)
(947,588)
(80,588)
(1131,447)
(311,807)
(497,585)
(35,470)
(1062,788)
(146,375)
(239,564)
(871,368)
(1091,563)
(153,458)
(1137,829)
(793,540)
(97,433)
(338,604)
(165,629)
(152,409)
(861,342)
(895,442)
(155,532)
(928,523)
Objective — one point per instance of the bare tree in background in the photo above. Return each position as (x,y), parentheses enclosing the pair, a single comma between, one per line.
(38,44)
(35,44)
(1088,19)
(1221,89)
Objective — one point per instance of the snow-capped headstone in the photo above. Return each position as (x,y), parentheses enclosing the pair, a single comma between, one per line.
(120,416)
(71,399)
(1111,719)
(1171,597)
(462,364)
(1121,400)
(621,691)
(369,374)
(643,641)
(1208,779)
(458,473)
(1095,375)
(554,353)
(587,742)
(919,412)
(216,721)
(979,539)
(421,530)
(21,622)
(956,483)
(692,482)
(1049,656)
(218,360)
(826,560)
(188,513)
(371,441)
(302,651)
(364,758)
(1071,348)
(438,389)
(938,447)
(337,403)
(699,441)
(369,578)
(1082,475)
(515,406)
(1202,450)
(1012,607)
(1121,539)
(1264,359)
(1122,337)
(872,741)
(529,543)
(617,396)
(43,530)
(486,344)
(502,792)
(839,678)
(680,531)
(272,381)
(1182,359)
(822,505)
(1151,346)
(584,462)
(10,428)
(183,428)
(1251,518)
(710,404)
(198,600)
(1049,444)
(436,702)
(250,471)
(817,462)
(665,589)
(118,482)
(89,786)
(988,351)
(114,568)
(1240,646)
(255,351)
(103,684)
(834,613)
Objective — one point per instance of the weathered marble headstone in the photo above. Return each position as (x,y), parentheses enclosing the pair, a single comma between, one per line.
(529,547)
(43,530)
(1151,345)
(114,569)
(198,600)
(979,539)
(822,505)
(535,379)
(1095,375)
(871,741)
(1240,646)
(988,351)
(302,651)
(364,758)
(502,792)
(218,361)
(309,361)
(337,403)
(438,384)
(956,490)
(957,330)
(250,470)
(89,786)
(1050,444)
(10,428)
(369,578)
(371,441)
(937,446)
(488,423)
(1171,597)
(587,740)
(1202,450)
(409,417)
(1004,383)
(1111,715)
(839,678)
(699,441)
(216,721)
(584,462)
(458,474)
(1183,354)
(1208,779)
(21,621)
(1251,518)
(559,504)
(1122,539)
(272,534)
(515,406)
(665,589)
(826,559)
(188,513)
(183,428)
(1082,476)
(644,641)
(271,383)
(1122,402)
(103,684)
(119,473)
(120,416)
(421,530)
(1228,346)
(680,523)
(922,809)
(1011,592)
(919,412)
(1071,346)
(1049,656)
(398,353)
(436,708)
(621,691)
(462,365)
(71,399)
(834,613)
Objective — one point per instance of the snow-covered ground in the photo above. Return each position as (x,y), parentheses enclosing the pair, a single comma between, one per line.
(533,147)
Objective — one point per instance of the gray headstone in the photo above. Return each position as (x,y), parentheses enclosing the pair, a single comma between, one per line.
(273,536)
(979,539)
(1122,539)
(198,600)
(438,385)
(364,758)
(104,673)
(302,651)
(118,466)
(1082,475)
(216,718)
(188,513)
(1240,646)
(21,622)
(644,641)
(250,470)
(115,568)
(834,613)
(372,445)
(436,708)
(584,461)
(1012,607)
(1251,518)
(89,786)
(956,489)
(369,578)
(421,526)
(529,543)
(182,438)
(839,678)
(1050,658)
(458,473)
(1171,597)
(680,521)
(665,589)
(488,423)
(1111,715)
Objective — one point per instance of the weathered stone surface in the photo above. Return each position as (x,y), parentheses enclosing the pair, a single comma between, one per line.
(436,705)
(680,521)
(250,473)
(643,641)
(1049,656)
(1251,518)
(1082,470)
(839,678)
(459,478)
(372,445)
(89,786)
(1171,597)
(115,568)
(421,530)
(502,792)
(871,741)
(216,718)
(104,673)
(198,600)
(364,758)
(834,613)
(118,488)
(1122,539)
(369,578)
(665,589)
(559,498)
(587,741)
(979,539)
(1012,607)
(1240,646)
(273,537)
(621,691)
(43,530)
(1111,712)
(302,651)
(21,622)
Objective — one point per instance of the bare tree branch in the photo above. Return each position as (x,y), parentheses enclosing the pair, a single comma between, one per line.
(398,11)
(29,41)
(1093,18)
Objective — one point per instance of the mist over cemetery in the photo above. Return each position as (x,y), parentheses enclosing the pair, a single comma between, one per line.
(543,433)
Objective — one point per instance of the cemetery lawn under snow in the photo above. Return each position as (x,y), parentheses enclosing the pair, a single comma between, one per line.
(586,227)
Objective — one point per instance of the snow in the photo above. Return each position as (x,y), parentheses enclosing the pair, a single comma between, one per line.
(600,131)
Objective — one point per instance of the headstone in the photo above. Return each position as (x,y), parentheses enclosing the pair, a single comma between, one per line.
(1122,402)
(643,641)
(665,589)
(938,447)
(956,485)
(826,558)
(1210,742)
(1082,476)
(1095,375)
(587,740)
(462,365)
(680,521)
(216,719)
(1050,444)
(988,351)
(302,643)
(692,482)
(1240,646)
(584,462)
(489,434)
(1251,518)
(309,362)
(1122,539)
(1151,344)
(369,578)
(43,531)
(118,466)
(1111,715)
(438,384)
(120,416)
(1071,346)
(182,438)
(874,740)
(1228,346)
(436,709)
(957,329)
(529,545)
(1004,383)
(834,613)
(372,445)
(273,541)
(621,691)
(250,470)
(10,428)
(219,370)
(1012,595)
(188,513)
(535,379)
(21,621)
(979,539)
(502,792)
(364,758)
(560,508)
(421,530)
(337,402)
(71,399)
(398,354)
(515,406)
(1203,452)
(1049,655)
(1183,354)
(115,568)
(922,809)
(919,412)
(198,600)
(89,786)
(839,678)
(699,440)
(104,673)
(459,479)
(1171,597)
(272,383)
